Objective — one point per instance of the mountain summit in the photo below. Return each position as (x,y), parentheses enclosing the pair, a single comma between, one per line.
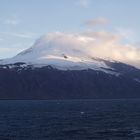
(66,66)
(60,51)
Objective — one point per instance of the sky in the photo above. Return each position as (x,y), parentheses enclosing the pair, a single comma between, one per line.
(24,21)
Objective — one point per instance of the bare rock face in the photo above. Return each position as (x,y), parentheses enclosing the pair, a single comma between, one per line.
(22,81)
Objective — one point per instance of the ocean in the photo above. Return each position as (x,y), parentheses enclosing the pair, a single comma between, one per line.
(70,120)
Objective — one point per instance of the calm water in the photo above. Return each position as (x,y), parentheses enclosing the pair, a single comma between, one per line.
(70,120)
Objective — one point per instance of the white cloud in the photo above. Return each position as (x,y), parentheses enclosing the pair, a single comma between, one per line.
(83,3)
(126,33)
(92,44)
(26,35)
(6,52)
(97,21)
(23,35)
(1,39)
(13,20)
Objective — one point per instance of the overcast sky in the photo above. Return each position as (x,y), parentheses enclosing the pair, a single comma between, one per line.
(23,21)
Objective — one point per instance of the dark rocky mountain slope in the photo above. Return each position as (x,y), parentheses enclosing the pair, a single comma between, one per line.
(18,82)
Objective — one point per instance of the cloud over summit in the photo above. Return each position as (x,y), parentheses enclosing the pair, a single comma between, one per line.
(93,44)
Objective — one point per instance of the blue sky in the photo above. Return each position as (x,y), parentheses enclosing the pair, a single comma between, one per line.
(23,21)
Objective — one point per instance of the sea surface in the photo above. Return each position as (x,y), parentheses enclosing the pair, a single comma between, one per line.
(70,120)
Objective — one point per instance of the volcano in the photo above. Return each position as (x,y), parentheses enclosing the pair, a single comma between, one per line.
(57,68)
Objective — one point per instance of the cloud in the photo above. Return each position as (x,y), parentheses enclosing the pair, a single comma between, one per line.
(23,35)
(6,52)
(1,39)
(83,3)
(26,35)
(126,34)
(13,20)
(101,44)
(97,21)
(9,45)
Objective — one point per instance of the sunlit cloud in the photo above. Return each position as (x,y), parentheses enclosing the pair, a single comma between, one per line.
(101,44)
(97,21)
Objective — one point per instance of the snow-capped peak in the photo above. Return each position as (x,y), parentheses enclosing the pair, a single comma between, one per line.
(62,51)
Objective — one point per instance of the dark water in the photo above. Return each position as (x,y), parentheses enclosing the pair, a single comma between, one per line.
(70,120)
